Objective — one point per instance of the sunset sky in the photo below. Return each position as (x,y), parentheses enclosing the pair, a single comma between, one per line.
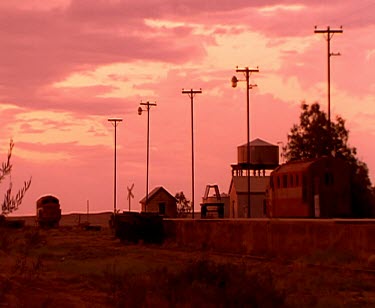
(67,66)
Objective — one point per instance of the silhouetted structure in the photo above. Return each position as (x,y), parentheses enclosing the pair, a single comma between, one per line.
(160,201)
(310,188)
(48,212)
(215,205)
(264,157)
(130,195)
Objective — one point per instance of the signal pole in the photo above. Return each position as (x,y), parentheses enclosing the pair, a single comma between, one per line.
(191,93)
(329,34)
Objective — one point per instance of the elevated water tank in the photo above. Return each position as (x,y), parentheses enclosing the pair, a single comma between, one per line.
(262,154)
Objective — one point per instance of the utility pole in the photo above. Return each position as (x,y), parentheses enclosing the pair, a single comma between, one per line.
(328,35)
(115,122)
(247,72)
(191,93)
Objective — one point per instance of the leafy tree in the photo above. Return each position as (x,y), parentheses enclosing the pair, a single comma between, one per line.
(183,205)
(11,202)
(315,137)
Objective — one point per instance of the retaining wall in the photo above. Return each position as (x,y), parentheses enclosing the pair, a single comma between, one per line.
(272,237)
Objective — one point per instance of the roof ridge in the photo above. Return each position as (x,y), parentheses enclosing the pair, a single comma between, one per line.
(259,142)
(153,192)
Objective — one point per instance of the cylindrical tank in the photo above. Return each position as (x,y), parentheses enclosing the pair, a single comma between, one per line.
(262,153)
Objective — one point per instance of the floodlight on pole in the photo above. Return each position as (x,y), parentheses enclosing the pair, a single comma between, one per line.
(115,122)
(140,110)
(247,72)
(234,82)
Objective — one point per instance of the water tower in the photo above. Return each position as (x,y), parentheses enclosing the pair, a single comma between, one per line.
(264,157)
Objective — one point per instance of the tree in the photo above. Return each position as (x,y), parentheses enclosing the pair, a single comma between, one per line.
(183,205)
(315,137)
(11,202)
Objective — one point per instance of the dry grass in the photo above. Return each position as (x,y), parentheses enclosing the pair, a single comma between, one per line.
(71,267)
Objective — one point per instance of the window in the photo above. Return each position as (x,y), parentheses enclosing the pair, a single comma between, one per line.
(304,188)
(162,208)
(297,180)
(291,180)
(285,181)
(278,182)
(328,178)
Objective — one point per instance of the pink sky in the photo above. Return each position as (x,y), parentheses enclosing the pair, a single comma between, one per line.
(67,66)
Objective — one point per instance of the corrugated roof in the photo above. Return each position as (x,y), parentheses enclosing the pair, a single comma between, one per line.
(258,184)
(154,192)
(298,165)
(259,143)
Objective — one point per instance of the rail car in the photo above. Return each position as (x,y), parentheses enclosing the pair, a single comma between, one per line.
(310,188)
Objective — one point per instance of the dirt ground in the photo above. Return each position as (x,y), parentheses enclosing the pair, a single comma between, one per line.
(72,267)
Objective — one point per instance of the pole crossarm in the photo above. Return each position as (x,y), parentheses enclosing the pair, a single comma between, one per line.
(191,93)
(115,121)
(330,32)
(247,70)
(148,104)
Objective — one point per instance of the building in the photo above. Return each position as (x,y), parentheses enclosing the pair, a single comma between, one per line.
(264,157)
(160,201)
(225,198)
(238,196)
(310,188)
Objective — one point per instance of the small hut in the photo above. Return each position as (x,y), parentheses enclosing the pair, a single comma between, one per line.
(160,201)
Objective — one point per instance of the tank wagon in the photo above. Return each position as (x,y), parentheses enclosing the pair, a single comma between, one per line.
(48,211)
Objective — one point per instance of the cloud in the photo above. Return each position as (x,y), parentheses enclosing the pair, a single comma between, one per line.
(43,47)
